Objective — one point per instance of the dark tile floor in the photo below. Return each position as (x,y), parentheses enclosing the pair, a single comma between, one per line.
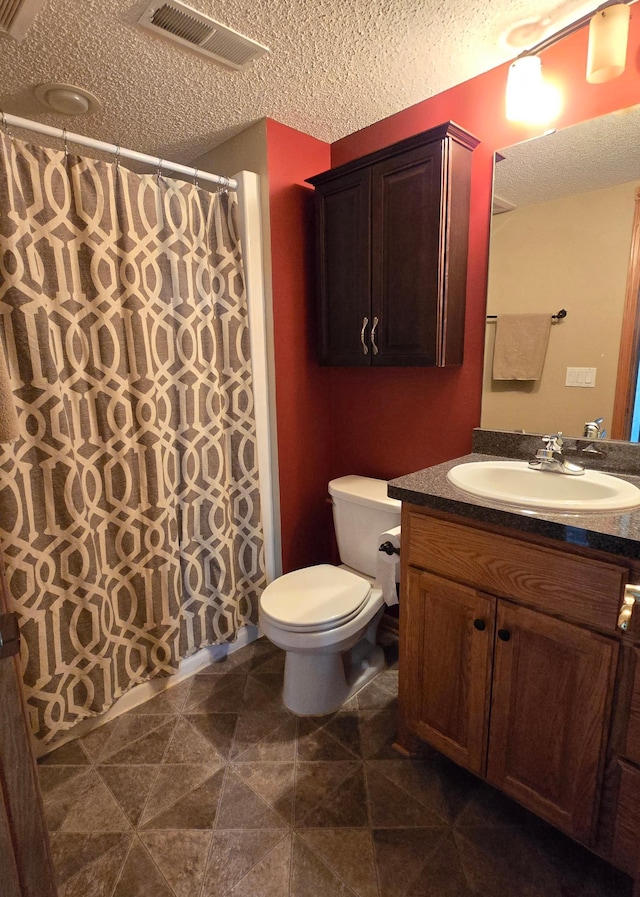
(212,789)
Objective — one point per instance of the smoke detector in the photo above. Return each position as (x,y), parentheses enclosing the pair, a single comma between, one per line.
(17,16)
(67,99)
(187,26)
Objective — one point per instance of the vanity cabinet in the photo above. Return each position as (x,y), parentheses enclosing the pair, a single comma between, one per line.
(392,234)
(512,665)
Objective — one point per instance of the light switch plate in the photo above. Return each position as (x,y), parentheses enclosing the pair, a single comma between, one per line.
(583,377)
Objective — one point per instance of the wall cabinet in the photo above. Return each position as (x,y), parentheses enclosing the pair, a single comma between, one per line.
(392,235)
(512,665)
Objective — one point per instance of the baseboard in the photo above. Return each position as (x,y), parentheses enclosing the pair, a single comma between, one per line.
(145,691)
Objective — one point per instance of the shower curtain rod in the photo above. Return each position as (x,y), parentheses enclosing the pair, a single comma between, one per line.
(119,152)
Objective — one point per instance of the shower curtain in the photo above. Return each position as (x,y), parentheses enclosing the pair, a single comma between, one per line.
(129,505)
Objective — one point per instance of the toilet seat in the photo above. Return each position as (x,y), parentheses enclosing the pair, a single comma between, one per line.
(314,599)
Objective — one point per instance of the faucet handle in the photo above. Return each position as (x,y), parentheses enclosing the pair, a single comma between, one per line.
(592,429)
(554,443)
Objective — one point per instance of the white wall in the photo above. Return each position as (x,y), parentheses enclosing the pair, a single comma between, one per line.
(247,152)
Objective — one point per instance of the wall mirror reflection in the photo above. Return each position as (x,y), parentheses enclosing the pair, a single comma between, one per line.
(565,209)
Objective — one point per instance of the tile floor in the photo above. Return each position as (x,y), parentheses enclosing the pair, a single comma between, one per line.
(212,789)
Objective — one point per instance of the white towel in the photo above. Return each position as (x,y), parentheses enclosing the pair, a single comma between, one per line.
(520,346)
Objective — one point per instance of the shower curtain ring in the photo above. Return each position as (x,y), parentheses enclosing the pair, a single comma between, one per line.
(66,145)
(3,122)
(195,177)
(117,155)
(159,169)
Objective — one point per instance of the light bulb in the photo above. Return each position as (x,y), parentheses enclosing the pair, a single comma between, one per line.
(530,99)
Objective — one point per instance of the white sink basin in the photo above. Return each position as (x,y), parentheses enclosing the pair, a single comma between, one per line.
(515,483)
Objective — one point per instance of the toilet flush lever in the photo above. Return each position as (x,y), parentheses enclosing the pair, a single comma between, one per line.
(389,548)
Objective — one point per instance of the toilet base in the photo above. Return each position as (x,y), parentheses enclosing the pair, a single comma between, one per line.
(317,684)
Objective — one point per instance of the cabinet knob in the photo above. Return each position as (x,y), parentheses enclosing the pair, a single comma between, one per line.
(365,347)
(480,625)
(504,635)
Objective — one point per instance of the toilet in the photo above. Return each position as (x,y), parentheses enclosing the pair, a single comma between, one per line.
(325,617)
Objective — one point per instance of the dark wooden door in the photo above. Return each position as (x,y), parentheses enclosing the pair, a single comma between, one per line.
(344,281)
(407,261)
(549,715)
(450,661)
(26,869)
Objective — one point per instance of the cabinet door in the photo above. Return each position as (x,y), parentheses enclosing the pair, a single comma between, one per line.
(408,256)
(626,852)
(549,715)
(448,640)
(344,248)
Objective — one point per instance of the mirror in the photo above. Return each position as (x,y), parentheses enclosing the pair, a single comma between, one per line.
(560,239)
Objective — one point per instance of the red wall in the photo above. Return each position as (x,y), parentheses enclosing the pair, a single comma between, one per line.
(390,421)
(302,386)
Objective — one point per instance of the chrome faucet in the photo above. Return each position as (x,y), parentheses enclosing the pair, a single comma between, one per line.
(592,429)
(551,458)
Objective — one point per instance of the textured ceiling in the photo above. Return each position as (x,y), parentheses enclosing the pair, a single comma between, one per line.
(335,66)
(590,156)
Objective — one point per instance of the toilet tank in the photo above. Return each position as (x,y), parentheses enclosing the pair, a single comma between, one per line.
(361,511)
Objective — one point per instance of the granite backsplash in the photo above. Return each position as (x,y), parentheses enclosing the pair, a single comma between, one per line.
(596,454)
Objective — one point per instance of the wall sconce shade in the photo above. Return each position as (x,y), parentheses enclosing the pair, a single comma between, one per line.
(608,34)
(529,99)
(523,83)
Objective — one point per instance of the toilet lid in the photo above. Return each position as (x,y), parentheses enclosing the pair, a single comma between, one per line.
(314,598)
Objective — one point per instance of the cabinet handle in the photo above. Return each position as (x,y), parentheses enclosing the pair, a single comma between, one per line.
(504,635)
(373,335)
(480,625)
(631,598)
(365,347)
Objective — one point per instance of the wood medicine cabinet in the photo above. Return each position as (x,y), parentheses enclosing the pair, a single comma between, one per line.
(392,235)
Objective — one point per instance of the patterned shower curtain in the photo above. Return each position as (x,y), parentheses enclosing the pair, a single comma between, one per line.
(129,506)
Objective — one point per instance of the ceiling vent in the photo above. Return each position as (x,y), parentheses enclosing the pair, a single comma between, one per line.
(17,16)
(192,29)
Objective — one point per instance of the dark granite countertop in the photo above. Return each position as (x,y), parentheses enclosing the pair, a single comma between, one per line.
(615,533)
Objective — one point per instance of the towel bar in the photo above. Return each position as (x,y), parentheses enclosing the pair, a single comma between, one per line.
(557,317)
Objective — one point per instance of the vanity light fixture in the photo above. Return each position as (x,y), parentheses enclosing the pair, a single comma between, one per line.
(532,100)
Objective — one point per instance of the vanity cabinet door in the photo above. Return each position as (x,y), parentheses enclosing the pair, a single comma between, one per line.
(448,633)
(549,715)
